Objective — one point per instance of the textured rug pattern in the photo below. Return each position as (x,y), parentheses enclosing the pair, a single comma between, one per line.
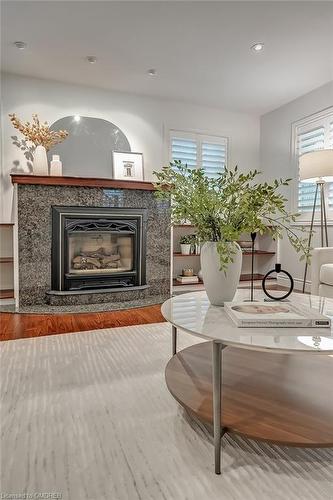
(87,416)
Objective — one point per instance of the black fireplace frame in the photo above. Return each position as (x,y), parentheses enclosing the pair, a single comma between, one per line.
(67,219)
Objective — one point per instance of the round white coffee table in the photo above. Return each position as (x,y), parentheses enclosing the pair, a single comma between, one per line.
(267,392)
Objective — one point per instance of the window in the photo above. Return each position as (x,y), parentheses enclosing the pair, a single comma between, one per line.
(200,151)
(311,134)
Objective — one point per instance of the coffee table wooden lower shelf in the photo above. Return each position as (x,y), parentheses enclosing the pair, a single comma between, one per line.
(279,398)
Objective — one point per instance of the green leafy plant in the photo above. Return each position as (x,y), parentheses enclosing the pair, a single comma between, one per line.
(222,209)
(186,239)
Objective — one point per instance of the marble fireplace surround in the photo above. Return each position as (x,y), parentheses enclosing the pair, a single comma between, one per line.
(35,195)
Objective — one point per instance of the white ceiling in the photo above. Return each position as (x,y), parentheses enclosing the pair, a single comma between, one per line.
(201,50)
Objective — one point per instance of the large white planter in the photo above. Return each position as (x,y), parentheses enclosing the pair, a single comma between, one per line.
(40,164)
(220,286)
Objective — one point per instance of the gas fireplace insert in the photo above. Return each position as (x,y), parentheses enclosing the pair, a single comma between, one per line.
(98,248)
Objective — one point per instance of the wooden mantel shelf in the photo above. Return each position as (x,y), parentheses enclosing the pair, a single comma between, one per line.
(46,180)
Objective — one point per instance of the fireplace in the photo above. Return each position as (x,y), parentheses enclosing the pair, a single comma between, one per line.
(98,248)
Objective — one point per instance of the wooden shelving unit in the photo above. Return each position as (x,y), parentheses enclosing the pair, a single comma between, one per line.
(244,277)
(6,261)
(178,254)
(258,252)
(264,258)
(7,294)
(183,225)
(256,277)
(176,283)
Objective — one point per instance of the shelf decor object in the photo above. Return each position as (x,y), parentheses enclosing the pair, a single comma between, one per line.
(187,271)
(40,164)
(56,166)
(253,238)
(185,244)
(220,284)
(127,165)
(268,276)
(252,253)
(222,209)
(187,280)
(317,167)
(42,137)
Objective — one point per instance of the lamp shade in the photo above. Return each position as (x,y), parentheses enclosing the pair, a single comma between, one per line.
(316,165)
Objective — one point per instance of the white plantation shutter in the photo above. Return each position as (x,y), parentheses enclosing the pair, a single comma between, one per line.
(314,135)
(184,150)
(199,151)
(213,158)
(311,140)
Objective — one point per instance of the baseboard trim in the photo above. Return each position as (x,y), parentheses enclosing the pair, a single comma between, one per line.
(298,283)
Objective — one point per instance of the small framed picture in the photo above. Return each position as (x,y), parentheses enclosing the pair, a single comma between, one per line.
(127,166)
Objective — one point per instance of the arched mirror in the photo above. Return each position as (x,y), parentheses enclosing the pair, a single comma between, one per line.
(87,152)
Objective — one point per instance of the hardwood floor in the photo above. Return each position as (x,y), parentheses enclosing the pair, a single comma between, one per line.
(17,326)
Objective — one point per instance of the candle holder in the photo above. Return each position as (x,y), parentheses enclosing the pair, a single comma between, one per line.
(277,269)
(253,237)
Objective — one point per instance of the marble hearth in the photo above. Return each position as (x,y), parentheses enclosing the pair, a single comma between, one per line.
(35,197)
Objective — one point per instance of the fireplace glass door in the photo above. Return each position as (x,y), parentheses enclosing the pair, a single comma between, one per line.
(100,252)
(98,248)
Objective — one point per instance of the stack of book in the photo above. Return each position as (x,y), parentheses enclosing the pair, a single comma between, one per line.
(187,280)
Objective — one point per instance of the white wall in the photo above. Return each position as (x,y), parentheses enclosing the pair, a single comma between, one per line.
(145,122)
(275,154)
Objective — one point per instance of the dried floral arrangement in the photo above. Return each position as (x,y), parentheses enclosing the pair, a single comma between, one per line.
(38,133)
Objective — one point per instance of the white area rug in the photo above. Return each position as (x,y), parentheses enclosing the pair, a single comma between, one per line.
(88,416)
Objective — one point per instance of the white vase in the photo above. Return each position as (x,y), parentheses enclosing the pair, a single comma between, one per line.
(185,249)
(220,286)
(40,164)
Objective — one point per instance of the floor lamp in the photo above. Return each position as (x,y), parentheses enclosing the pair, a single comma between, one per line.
(317,167)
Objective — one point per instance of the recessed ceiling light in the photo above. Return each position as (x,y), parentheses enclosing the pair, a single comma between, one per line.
(91,59)
(77,118)
(151,72)
(257,47)
(20,45)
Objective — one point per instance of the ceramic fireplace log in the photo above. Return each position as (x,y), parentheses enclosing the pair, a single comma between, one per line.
(101,252)
(86,262)
(81,262)
(108,260)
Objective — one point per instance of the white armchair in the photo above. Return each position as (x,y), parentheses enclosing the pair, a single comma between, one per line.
(322,272)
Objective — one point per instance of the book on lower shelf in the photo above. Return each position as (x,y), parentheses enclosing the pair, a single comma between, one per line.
(187,279)
(274,315)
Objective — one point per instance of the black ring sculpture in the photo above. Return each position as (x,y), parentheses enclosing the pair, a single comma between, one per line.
(278,269)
